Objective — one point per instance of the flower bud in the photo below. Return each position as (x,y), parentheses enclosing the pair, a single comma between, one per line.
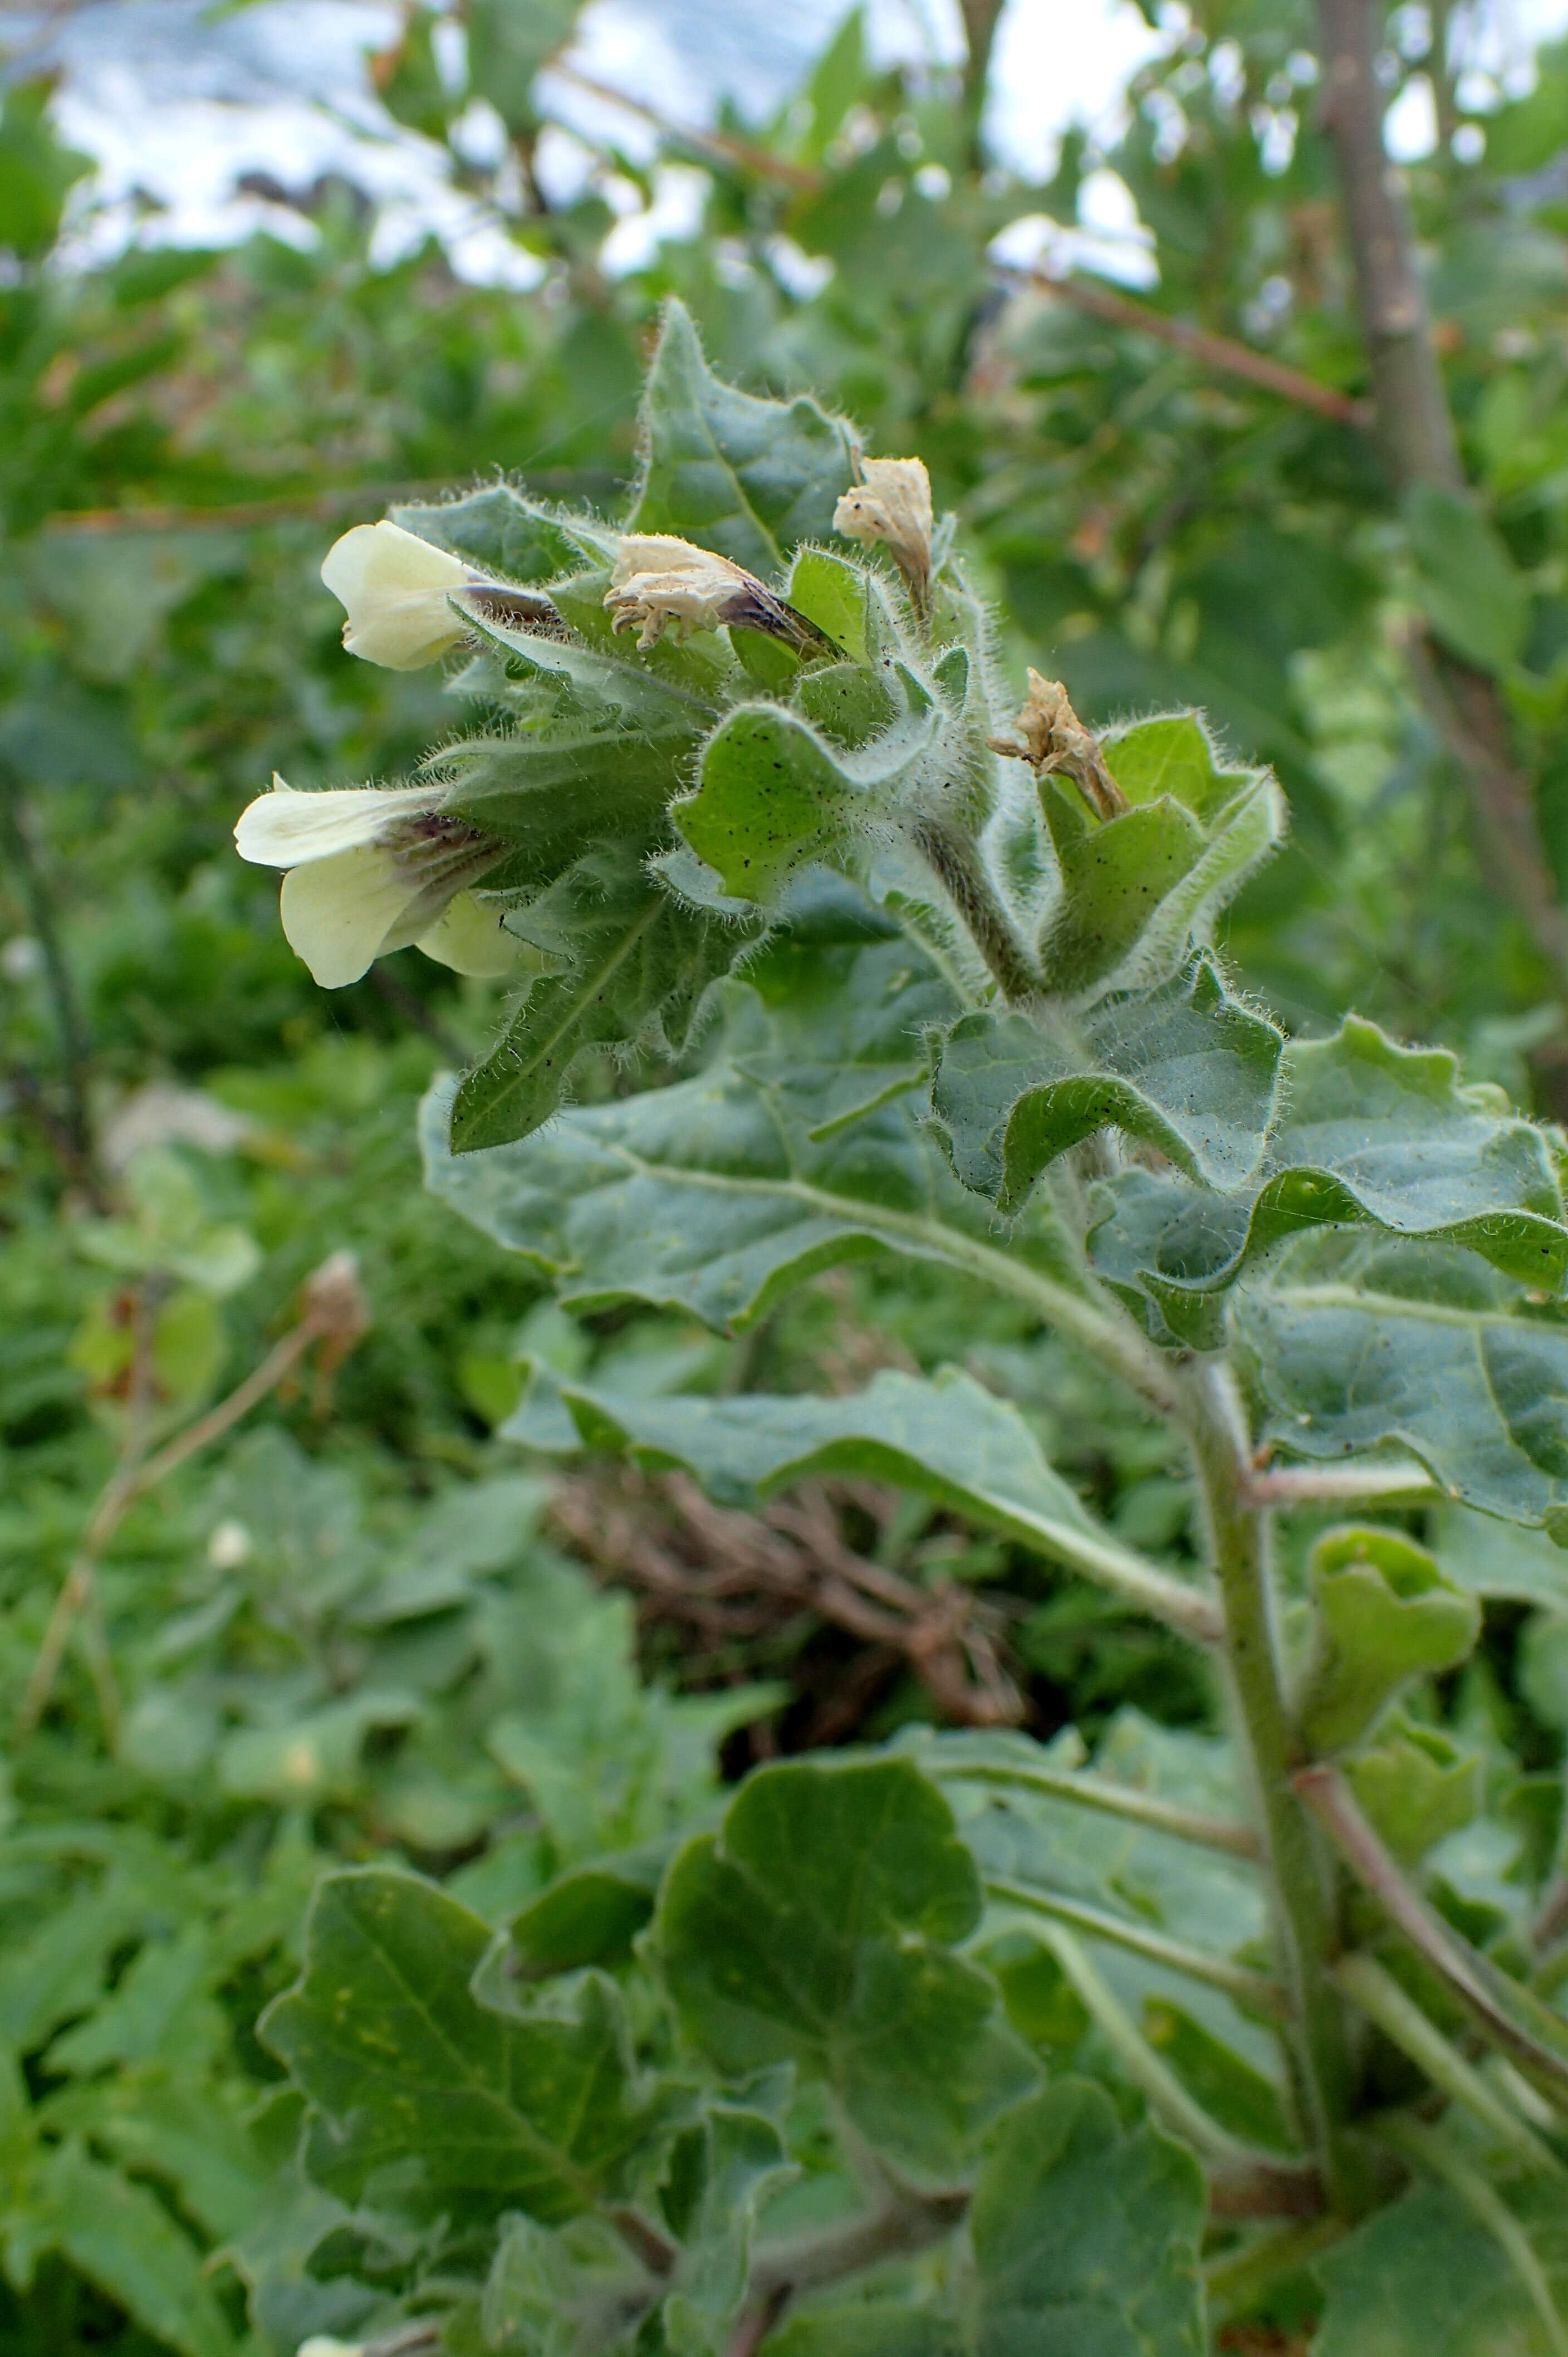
(1054,739)
(892,503)
(394,588)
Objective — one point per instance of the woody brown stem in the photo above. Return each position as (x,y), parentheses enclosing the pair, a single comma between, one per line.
(1415,430)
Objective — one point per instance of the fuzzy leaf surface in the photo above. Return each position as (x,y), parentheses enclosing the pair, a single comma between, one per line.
(818,1926)
(1186,1068)
(1086,2238)
(639,962)
(534,2112)
(1361,1342)
(720,1193)
(1135,888)
(774,794)
(1374,1133)
(747,477)
(501,530)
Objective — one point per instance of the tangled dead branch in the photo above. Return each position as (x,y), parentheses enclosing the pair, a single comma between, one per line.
(727,1584)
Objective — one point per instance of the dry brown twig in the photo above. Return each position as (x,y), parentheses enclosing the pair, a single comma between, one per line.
(733,1578)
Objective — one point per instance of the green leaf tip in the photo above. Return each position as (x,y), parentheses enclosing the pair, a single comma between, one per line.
(748,476)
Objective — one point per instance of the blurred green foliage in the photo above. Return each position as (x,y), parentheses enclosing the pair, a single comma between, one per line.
(343,1635)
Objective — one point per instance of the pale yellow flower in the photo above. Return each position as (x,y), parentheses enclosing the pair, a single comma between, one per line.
(892,503)
(368,869)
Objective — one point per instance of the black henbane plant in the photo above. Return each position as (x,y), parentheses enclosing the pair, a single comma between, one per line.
(798,2076)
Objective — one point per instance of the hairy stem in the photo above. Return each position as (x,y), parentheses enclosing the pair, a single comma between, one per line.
(1340,1485)
(1501,2008)
(953,864)
(1317,2049)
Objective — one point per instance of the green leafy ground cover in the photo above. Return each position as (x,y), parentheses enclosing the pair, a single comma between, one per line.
(348,1634)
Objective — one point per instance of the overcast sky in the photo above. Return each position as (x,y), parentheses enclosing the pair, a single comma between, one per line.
(177,101)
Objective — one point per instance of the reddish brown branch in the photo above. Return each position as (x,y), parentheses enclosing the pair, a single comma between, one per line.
(735,1577)
(1219,354)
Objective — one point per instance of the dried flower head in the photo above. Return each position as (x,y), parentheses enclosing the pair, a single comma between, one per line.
(371,868)
(661,582)
(1054,739)
(892,503)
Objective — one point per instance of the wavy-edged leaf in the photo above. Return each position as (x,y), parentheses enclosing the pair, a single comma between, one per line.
(537,2111)
(718,1194)
(1373,1134)
(1187,1069)
(640,962)
(1086,2238)
(947,1438)
(1386,1613)
(1134,889)
(1355,1342)
(1416,1785)
(818,1926)
(748,476)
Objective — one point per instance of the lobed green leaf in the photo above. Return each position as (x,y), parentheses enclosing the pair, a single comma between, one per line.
(1359,1342)
(818,1926)
(538,2112)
